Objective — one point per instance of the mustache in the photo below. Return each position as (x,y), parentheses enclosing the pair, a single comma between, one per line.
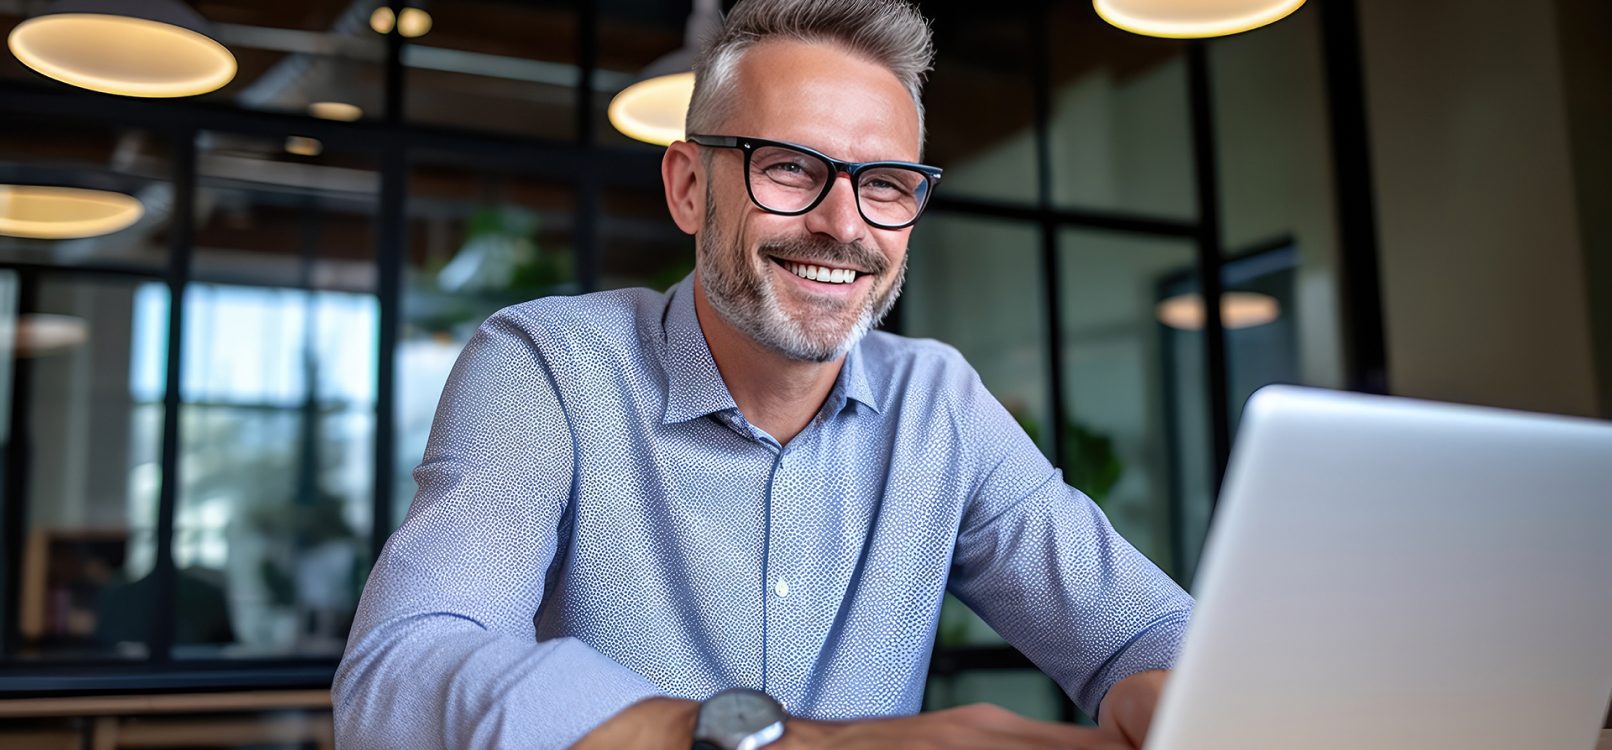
(827,252)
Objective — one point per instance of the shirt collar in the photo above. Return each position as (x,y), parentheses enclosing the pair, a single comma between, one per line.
(694,386)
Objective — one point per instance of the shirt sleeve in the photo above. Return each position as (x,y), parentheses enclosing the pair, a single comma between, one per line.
(1040,563)
(443,650)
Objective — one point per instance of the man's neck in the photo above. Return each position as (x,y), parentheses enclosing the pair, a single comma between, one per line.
(775,393)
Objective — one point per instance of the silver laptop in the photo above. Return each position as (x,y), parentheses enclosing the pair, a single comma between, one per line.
(1385,573)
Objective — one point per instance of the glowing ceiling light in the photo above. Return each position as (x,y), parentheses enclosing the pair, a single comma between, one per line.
(1237,310)
(1193,19)
(59,213)
(302,145)
(416,22)
(335,111)
(653,109)
(152,48)
(39,334)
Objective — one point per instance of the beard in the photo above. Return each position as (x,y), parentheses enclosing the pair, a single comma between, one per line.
(739,284)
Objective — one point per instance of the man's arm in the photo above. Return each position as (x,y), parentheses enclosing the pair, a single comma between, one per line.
(1042,565)
(443,652)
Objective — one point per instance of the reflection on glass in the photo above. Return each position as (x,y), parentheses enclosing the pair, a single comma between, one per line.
(979,104)
(1275,175)
(117,179)
(976,284)
(1256,356)
(88,535)
(276,446)
(323,51)
(501,66)
(265,216)
(1026,692)
(477,242)
(1125,402)
(1121,137)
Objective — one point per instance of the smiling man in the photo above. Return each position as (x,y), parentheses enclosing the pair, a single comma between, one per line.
(728,514)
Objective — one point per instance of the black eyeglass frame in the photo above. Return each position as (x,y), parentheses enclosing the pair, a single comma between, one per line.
(749,145)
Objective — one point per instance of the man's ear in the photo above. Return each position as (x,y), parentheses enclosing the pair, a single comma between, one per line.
(683,176)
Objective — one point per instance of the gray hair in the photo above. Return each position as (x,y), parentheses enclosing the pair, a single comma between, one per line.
(889,32)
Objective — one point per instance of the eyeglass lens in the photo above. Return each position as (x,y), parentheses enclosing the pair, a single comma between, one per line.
(787,180)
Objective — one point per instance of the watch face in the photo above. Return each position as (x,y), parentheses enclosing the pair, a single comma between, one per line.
(740,719)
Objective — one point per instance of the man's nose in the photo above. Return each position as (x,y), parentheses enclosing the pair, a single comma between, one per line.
(837,216)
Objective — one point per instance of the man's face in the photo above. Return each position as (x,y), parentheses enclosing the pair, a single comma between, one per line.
(750,261)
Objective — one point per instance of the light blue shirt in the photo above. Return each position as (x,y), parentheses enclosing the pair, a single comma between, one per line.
(598,523)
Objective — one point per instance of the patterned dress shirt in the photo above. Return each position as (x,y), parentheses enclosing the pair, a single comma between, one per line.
(597,523)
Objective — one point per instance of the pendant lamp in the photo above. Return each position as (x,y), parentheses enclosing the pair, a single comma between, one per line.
(1238,310)
(652,110)
(1193,19)
(147,48)
(61,213)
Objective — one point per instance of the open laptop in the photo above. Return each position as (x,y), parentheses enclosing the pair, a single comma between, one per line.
(1385,573)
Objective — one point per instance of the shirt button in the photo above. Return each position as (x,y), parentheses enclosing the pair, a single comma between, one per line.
(781,588)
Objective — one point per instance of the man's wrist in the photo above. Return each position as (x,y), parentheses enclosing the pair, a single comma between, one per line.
(650,723)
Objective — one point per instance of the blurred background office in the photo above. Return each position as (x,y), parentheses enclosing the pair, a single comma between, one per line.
(227,309)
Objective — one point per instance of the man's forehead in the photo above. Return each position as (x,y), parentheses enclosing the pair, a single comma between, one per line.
(822,95)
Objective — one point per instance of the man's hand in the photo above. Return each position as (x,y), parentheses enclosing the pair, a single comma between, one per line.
(973,727)
(667,724)
(1127,710)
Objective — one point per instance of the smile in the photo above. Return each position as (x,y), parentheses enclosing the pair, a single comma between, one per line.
(821,274)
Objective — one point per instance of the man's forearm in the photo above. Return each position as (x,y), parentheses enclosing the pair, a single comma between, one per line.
(1129,706)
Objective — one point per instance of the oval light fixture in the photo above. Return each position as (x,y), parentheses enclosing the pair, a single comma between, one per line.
(39,334)
(151,48)
(414,24)
(1237,310)
(335,111)
(1193,19)
(60,213)
(302,145)
(653,109)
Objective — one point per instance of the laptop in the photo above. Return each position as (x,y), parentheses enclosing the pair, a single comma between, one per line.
(1384,573)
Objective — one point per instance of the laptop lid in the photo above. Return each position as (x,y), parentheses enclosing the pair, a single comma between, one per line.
(1386,573)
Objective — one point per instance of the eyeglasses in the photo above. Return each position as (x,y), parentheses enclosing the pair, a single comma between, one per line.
(789,180)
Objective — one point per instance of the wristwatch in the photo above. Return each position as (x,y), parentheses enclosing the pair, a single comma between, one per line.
(738,719)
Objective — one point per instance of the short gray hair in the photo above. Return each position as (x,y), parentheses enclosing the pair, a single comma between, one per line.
(889,32)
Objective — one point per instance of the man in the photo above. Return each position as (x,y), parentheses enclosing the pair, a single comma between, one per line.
(632,501)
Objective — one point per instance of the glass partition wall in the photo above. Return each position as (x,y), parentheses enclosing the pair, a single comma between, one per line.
(210,416)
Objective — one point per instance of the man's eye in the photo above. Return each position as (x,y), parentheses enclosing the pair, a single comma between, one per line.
(786,168)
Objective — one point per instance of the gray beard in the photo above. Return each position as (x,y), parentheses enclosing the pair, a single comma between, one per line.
(746,299)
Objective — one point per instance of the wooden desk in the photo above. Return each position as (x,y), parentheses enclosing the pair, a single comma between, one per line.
(1606,740)
(172,720)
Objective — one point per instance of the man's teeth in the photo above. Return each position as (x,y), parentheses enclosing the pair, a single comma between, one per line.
(819,273)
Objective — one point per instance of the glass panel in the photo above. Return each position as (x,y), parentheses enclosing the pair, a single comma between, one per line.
(980,108)
(1121,125)
(127,226)
(1026,692)
(631,36)
(1136,424)
(488,65)
(1276,182)
(639,244)
(1258,311)
(272,528)
(84,364)
(478,241)
(976,284)
(266,216)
